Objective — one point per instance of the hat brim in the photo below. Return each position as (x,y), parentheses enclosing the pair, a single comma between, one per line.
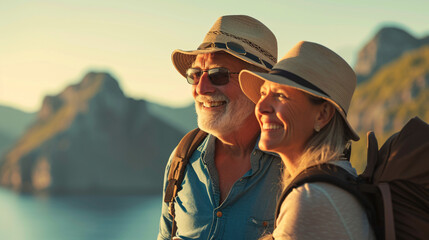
(182,60)
(251,83)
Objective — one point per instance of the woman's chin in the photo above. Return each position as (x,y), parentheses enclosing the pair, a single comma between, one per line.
(266,146)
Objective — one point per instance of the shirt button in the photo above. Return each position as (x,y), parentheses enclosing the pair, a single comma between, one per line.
(219,214)
(265,223)
(254,152)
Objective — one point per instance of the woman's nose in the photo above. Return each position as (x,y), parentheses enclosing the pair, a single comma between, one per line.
(263,106)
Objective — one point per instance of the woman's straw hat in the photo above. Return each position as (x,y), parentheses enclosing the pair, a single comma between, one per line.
(312,68)
(241,36)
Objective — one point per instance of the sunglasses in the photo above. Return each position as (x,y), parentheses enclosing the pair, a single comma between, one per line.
(217,76)
(233,46)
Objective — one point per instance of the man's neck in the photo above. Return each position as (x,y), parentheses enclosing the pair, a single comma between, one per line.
(239,142)
(232,156)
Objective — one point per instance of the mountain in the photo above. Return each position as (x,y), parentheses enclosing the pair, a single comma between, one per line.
(13,123)
(5,142)
(184,118)
(91,138)
(386,46)
(394,94)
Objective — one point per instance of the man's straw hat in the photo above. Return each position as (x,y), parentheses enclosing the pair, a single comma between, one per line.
(241,36)
(311,68)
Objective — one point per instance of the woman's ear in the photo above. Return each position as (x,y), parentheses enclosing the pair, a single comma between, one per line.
(326,112)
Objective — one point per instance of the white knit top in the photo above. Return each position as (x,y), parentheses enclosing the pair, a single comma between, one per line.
(322,211)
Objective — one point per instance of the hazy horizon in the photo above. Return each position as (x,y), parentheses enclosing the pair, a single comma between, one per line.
(48,45)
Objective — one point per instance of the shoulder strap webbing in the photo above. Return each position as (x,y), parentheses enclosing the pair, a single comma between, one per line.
(184,150)
(328,173)
(389,223)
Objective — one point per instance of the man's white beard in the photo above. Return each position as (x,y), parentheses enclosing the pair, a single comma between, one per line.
(223,122)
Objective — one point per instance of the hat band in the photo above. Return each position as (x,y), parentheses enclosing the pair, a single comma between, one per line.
(301,81)
(248,42)
(297,79)
(237,48)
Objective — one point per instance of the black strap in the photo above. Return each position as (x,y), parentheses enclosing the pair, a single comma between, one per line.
(293,77)
(184,151)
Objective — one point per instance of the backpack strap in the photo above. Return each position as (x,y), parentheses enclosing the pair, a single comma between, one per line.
(383,213)
(184,151)
(328,173)
(389,223)
(371,157)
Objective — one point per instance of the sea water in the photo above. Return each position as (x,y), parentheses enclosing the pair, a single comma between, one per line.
(67,217)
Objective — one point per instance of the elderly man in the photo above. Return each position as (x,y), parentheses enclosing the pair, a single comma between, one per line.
(229,188)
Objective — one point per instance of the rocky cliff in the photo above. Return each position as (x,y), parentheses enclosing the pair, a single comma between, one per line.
(91,138)
(384,103)
(184,118)
(13,123)
(386,46)
(396,92)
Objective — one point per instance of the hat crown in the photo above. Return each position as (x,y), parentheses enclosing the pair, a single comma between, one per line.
(241,36)
(252,34)
(323,68)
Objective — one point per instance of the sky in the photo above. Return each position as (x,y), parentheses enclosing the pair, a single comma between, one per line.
(48,45)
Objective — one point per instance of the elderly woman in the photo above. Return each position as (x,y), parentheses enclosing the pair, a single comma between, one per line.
(302,111)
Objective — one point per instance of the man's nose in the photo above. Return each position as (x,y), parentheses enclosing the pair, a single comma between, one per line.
(204,85)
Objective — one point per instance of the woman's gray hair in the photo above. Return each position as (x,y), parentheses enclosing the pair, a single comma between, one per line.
(324,146)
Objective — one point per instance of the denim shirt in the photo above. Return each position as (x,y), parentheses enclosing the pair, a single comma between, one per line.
(246,213)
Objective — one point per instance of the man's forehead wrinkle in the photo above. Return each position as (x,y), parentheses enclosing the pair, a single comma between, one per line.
(201,59)
(218,59)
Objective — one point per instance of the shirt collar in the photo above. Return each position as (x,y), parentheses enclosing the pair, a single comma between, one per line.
(208,147)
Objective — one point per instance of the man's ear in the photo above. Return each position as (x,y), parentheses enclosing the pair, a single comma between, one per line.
(326,112)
